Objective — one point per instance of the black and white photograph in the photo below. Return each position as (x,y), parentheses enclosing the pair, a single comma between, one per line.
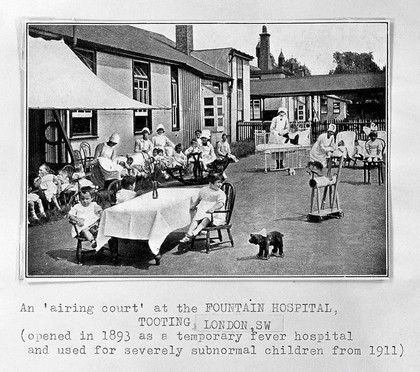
(207,149)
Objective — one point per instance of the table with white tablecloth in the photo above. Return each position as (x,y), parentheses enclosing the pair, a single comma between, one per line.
(145,218)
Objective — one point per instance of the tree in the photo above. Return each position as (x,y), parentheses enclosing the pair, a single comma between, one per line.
(293,64)
(354,63)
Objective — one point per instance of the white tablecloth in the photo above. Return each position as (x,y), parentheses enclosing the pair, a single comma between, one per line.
(145,218)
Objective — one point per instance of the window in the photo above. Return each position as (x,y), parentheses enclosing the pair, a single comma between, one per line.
(324,106)
(174,98)
(239,68)
(213,111)
(141,93)
(255,109)
(336,107)
(301,113)
(240,98)
(83,123)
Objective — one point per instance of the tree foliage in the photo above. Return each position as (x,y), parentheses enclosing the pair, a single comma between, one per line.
(354,63)
(295,65)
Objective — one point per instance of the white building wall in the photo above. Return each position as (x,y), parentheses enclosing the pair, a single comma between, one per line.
(161,95)
(247,91)
(117,72)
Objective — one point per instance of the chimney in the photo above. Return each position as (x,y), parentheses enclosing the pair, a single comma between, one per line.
(264,60)
(184,38)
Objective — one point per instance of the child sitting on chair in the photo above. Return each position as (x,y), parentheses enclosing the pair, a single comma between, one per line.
(210,199)
(34,203)
(194,149)
(374,147)
(85,216)
(128,169)
(48,184)
(128,184)
(179,159)
(358,150)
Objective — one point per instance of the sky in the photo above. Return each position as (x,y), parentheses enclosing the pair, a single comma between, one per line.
(311,43)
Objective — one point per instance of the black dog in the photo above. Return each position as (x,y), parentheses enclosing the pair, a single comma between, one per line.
(273,238)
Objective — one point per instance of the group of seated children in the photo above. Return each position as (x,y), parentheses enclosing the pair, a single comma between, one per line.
(46,189)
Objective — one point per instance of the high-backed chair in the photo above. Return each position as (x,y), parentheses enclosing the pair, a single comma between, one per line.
(86,153)
(81,251)
(113,188)
(230,192)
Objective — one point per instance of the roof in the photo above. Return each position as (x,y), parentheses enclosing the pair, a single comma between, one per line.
(128,40)
(317,84)
(223,52)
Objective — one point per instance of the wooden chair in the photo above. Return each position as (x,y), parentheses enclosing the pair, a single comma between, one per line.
(78,158)
(81,251)
(113,188)
(230,192)
(379,164)
(86,153)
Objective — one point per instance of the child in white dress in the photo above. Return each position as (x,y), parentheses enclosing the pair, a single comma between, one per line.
(48,184)
(210,198)
(85,216)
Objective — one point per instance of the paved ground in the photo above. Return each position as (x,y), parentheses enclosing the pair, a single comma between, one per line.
(352,246)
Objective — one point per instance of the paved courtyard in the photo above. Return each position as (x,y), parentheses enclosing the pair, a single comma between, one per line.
(354,245)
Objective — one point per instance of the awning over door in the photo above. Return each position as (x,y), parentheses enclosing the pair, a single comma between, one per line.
(57,79)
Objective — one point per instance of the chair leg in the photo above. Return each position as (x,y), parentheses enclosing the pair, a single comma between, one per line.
(230,236)
(219,233)
(79,252)
(208,242)
(192,243)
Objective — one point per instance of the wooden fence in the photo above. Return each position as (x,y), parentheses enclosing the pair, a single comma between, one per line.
(245,129)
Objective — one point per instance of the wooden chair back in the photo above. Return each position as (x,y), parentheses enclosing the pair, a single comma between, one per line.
(230,192)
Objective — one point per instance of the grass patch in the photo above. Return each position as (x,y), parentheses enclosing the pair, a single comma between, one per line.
(243,149)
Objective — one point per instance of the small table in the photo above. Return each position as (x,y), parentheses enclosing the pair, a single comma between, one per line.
(145,218)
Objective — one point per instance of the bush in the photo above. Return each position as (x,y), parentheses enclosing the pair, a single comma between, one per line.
(243,149)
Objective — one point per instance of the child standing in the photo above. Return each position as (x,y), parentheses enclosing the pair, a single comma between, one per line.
(85,216)
(210,198)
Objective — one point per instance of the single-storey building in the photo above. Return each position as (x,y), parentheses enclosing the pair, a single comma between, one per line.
(186,92)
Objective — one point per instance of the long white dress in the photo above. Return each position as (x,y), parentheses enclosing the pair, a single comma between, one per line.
(321,149)
(208,199)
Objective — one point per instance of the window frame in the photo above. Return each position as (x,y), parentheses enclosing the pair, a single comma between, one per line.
(175,99)
(336,110)
(141,94)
